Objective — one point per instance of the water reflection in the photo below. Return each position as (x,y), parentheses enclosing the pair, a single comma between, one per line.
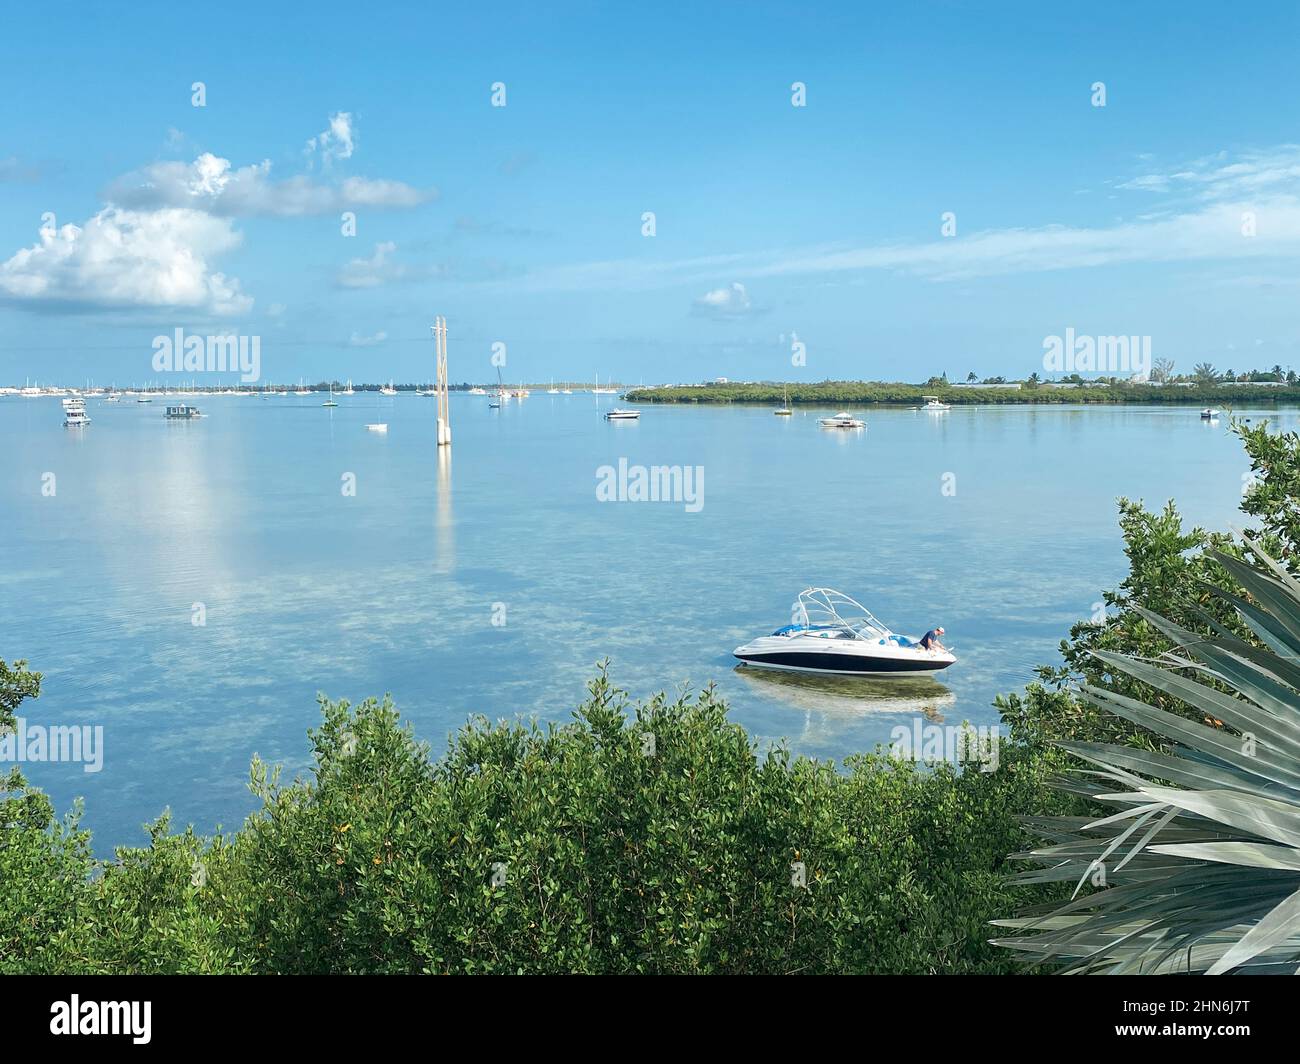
(832,704)
(446,544)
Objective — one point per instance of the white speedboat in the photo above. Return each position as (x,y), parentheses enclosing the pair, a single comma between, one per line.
(1209,412)
(932,403)
(379,426)
(836,634)
(842,420)
(622,415)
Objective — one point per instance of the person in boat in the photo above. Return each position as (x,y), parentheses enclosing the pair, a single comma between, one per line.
(930,641)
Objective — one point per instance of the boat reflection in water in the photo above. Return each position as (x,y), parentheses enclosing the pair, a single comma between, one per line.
(832,703)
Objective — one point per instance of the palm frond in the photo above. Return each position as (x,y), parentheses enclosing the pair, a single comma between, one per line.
(1198,867)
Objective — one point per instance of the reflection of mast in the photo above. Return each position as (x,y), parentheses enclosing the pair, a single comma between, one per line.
(445,550)
(444,399)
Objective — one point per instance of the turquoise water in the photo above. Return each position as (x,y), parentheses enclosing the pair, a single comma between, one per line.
(396,589)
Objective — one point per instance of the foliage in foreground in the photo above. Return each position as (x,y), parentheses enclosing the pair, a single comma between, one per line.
(655,841)
(1199,855)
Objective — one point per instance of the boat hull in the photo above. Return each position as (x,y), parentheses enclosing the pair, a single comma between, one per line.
(817,655)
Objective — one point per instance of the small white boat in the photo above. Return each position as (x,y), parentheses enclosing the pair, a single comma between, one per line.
(932,403)
(388,389)
(842,420)
(1209,412)
(478,391)
(833,633)
(143,399)
(598,390)
(112,397)
(552,390)
(349,390)
(330,401)
(622,415)
(377,427)
(784,409)
(74,413)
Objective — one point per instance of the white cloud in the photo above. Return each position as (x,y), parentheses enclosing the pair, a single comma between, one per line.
(730,302)
(210,184)
(335,142)
(122,258)
(1222,177)
(378,269)
(1201,219)
(358,340)
(1211,227)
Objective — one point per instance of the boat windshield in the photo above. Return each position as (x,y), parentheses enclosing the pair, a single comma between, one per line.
(825,609)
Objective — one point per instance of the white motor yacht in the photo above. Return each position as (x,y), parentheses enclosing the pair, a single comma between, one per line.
(842,420)
(622,415)
(932,403)
(74,412)
(833,633)
(1209,412)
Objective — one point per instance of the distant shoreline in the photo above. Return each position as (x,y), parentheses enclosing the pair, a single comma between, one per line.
(848,393)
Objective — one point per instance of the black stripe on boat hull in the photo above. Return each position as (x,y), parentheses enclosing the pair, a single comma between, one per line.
(857,666)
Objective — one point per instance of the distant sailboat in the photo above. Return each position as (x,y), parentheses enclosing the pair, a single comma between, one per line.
(330,401)
(598,390)
(784,410)
(388,390)
(552,390)
(349,389)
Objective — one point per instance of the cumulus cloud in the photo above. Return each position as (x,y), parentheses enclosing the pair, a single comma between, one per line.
(378,269)
(123,258)
(210,183)
(335,142)
(358,340)
(164,225)
(725,303)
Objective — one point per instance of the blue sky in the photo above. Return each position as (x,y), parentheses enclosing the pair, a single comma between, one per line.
(522,224)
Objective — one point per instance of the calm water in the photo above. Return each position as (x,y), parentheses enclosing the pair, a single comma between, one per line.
(395,590)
